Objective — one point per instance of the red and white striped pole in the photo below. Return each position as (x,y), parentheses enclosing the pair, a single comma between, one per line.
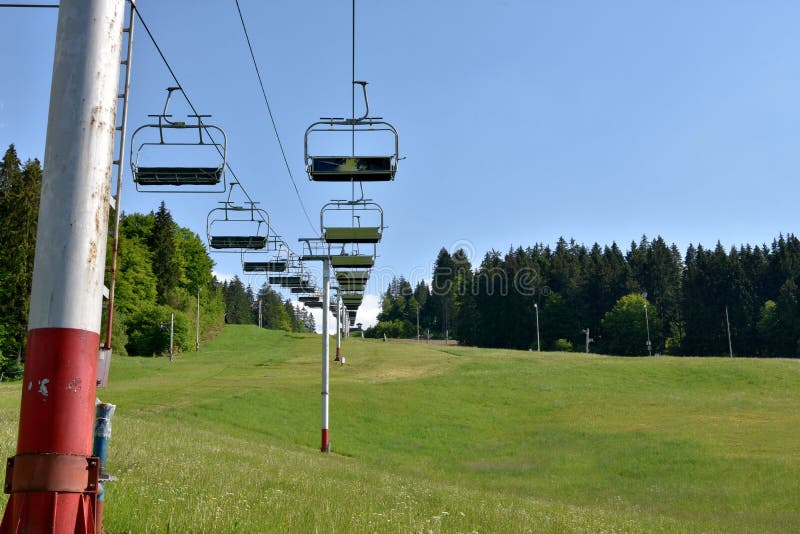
(53,478)
(326,341)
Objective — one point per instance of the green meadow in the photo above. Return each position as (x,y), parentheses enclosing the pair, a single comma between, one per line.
(428,438)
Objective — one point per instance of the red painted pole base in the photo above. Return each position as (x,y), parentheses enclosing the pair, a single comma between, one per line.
(326,444)
(336,359)
(51,489)
(56,513)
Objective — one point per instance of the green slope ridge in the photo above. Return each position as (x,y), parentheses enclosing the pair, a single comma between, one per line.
(446,439)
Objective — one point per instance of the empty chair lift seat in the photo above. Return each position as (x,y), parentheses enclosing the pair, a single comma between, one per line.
(253,242)
(351,261)
(303,287)
(349,234)
(264,266)
(346,169)
(352,276)
(177,175)
(285,281)
(351,286)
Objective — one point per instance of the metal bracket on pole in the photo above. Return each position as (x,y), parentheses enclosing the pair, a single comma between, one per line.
(62,473)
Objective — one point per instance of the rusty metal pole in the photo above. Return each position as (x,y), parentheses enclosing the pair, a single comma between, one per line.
(53,477)
(326,341)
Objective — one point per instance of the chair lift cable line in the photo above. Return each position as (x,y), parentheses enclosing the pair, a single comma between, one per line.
(191,105)
(271,116)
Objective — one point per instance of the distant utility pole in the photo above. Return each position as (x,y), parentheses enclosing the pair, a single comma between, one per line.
(171,335)
(260,316)
(417,322)
(588,339)
(728,322)
(538,344)
(197,324)
(647,325)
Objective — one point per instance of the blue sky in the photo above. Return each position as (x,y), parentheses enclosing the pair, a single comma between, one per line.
(521,121)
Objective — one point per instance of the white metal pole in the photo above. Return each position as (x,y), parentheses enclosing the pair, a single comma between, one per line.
(171,334)
(326,304)
(647,324)
(260,316)
(538,344)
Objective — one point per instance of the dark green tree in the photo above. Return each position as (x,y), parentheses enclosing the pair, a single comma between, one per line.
(625,327)
(163,245)
(20,189)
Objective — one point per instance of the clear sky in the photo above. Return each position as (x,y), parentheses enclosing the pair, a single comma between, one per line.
(521,120)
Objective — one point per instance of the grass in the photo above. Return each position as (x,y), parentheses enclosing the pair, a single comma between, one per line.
(446,439)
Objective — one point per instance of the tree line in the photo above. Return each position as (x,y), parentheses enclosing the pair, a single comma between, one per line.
(648,299)
(242,307)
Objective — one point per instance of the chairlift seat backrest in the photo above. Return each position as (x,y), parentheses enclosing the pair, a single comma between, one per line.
(352,286)
(264,266)
(351,261)
(352,168)
(352,276)
(351,234)
(283,280)
(252,242)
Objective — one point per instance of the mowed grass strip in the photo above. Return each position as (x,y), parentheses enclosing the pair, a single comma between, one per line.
(446,439)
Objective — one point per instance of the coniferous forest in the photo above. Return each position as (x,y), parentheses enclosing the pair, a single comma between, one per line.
(163,270)
(688,302)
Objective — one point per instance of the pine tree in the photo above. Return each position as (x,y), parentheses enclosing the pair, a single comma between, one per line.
(19,214)
(166,266)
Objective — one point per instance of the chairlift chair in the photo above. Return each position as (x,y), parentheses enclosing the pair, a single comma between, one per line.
(351,234)
(352,280)
(153,177)
(353,303)
(351,261)
(359,168)
(352,277)
(276,264)
(264,266)
(285,280)
(231,214)
(303,288)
